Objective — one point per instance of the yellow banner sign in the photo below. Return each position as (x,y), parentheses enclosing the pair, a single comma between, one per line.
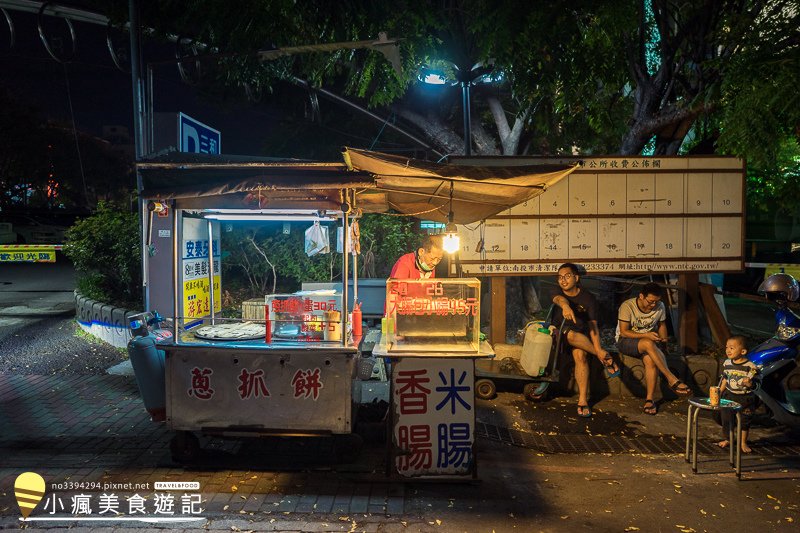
(27,254)
(791,269)
(196,300)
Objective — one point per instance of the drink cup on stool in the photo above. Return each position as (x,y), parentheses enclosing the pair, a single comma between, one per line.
(713,395)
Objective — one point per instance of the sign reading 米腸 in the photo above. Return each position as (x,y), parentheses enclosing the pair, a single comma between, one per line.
(617,215)
(433,416)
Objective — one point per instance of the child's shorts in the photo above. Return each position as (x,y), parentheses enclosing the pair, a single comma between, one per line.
(748,403)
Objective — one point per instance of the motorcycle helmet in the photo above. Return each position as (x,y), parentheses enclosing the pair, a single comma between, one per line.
(782,286)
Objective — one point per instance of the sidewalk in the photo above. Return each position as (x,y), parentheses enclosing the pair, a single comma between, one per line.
(93,430)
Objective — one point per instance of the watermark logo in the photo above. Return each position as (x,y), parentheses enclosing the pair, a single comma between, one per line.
(28,490)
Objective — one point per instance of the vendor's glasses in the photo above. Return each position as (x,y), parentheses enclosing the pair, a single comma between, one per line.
(565,277)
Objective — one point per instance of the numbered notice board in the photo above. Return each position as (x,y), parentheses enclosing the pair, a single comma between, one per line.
(617,215)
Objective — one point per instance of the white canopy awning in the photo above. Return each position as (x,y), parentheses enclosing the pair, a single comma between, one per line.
(423,189)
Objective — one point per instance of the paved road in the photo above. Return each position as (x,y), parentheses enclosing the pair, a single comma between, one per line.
(564,473)
(38,332)
(92,430)
(34,290)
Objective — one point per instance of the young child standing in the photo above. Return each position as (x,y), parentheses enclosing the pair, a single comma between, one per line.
(737,385)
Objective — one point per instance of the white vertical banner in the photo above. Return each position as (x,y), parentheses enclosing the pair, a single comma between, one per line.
(433,408)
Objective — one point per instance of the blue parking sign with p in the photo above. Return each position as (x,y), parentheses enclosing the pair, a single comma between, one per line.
(196,137)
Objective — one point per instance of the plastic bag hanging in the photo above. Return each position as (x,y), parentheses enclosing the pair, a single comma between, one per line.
(316,240)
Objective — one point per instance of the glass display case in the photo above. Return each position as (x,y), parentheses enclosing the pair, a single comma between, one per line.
(310,316)
(434,315)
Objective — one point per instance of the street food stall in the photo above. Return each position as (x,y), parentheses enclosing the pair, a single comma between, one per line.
(431,335)
(292,373)
(431,332)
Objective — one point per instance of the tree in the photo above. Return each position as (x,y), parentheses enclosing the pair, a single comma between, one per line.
(104,249)
(41,166)
(596,77)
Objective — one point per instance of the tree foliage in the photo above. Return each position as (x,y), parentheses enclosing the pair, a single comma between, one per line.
(41,166)
(104,249)
(262,259)
(384,238)
(597,77)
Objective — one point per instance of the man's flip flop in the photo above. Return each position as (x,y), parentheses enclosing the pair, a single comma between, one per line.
(680,388)
(584,411)
(650,408)
(612,369)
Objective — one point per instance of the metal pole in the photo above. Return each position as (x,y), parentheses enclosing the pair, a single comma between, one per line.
(211,270)
(175,258)
(136,86)
(467,121)
(345,268)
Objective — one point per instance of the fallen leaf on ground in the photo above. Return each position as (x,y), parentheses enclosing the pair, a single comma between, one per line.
(631,528)
(344,518)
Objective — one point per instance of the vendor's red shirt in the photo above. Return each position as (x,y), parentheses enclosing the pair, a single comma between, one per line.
(406,268)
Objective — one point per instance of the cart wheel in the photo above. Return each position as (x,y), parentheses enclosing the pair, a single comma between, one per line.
(485,389)
(535,392)
(185,447)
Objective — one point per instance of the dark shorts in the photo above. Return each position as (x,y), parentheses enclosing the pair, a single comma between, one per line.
(569,326)
(629,347)
(748,402)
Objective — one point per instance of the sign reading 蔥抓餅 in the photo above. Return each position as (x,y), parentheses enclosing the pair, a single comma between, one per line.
(617,215)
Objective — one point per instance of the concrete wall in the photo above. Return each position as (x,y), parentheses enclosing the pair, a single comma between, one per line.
(103,321)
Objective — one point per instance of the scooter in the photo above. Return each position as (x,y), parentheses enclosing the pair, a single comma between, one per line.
(777,357)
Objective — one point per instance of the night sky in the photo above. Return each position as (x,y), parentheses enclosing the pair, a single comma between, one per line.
(101,94)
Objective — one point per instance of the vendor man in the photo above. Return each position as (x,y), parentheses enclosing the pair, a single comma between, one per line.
(422,263)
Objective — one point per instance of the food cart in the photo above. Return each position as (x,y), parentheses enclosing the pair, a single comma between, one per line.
(431,335)
(290,374)
(297,378)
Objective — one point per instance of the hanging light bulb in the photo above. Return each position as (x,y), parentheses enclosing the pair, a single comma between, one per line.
(451,241)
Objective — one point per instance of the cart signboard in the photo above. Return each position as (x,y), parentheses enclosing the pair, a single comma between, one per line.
(259,390)
(433,408)
(439,315)
(195,269)
(617,215)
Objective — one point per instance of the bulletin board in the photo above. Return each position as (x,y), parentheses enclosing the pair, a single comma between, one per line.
(617,215)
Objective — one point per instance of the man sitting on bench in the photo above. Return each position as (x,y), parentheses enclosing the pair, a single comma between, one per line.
(577,308)
(641,333)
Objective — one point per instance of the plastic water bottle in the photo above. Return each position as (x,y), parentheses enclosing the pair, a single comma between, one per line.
(536,351)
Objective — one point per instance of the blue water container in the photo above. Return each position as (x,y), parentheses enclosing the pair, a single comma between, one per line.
(148,366)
